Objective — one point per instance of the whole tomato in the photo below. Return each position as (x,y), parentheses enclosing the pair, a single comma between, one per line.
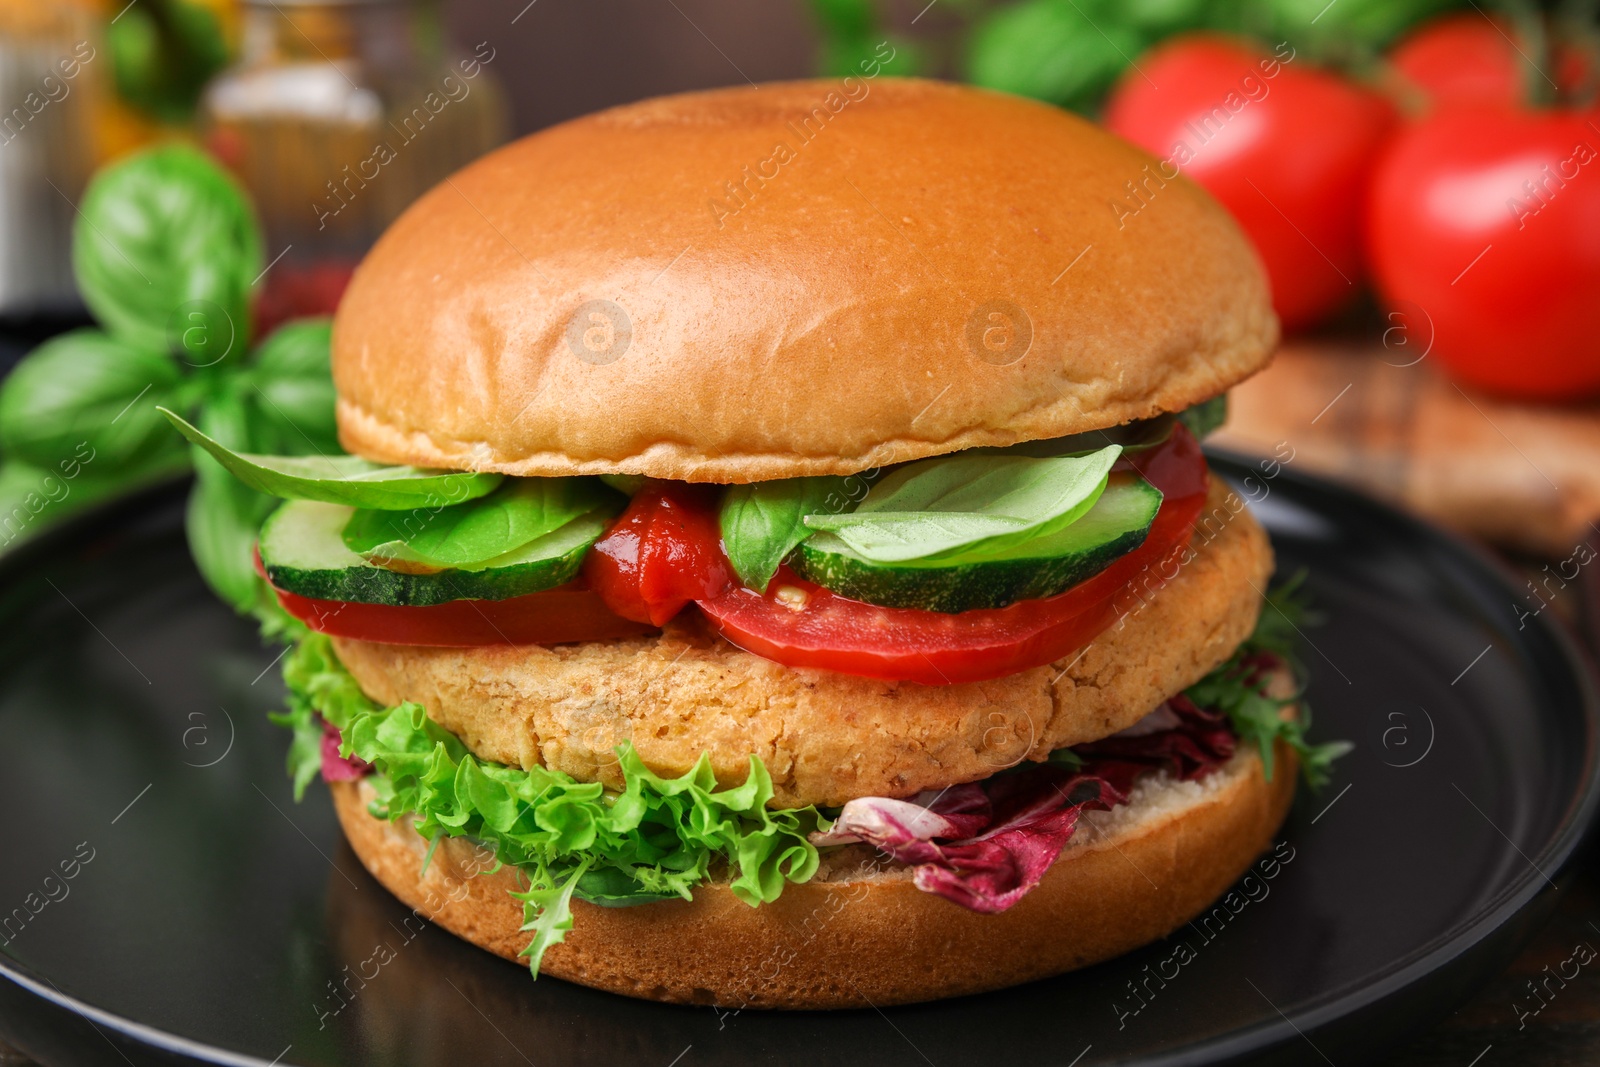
(1285,147)
(1487,219)
(1472,58)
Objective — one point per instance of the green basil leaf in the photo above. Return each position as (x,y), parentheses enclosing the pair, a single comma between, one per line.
(970,505)
(292,392)
(165,251)
(846,18)
(297,349)
(347,480)
(1051,50)
(162,55)
(463,535)
(33,499)
(86,391)
(763,522)
(1205,417)
(1358,28)
(224,516)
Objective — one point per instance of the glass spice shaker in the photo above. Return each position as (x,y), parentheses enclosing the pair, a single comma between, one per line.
(337,116)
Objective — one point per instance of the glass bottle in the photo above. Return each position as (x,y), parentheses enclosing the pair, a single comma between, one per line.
(338,115)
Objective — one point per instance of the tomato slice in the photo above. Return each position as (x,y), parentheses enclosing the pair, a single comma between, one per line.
(663,551)
(801,624)
(572,612)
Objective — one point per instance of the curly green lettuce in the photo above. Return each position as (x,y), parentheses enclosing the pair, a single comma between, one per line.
(654,840)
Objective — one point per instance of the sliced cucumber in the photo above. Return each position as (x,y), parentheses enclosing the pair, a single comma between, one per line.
(303,551)
(1045,566)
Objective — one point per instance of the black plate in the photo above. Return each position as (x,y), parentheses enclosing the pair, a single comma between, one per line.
(215,917)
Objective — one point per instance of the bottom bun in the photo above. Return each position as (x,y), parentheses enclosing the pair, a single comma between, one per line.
(861,933)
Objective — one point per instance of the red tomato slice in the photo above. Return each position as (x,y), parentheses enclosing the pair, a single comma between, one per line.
(663,551)
(801,624)
(554,616)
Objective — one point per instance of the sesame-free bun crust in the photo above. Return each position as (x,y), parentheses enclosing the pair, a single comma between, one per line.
(826,737)
(907,268)
(860,936)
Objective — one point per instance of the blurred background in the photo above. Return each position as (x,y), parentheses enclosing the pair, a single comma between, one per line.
(1415,173)
(1421,178)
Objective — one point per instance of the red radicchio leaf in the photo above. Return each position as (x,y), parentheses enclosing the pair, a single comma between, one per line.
(985,844)
(337,768)
(1201,743)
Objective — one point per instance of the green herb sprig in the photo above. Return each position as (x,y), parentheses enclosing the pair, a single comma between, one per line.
(166,251)
(1071,52)
(1256,716)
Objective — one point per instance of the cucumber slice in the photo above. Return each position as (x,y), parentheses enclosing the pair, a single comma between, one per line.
(302,548)
(1042,567)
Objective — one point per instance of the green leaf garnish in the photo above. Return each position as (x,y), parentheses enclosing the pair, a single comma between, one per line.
(764,521)
(1205,417)
(1257,717)
(167,254)
(966,506)
(224,515)
(547,911)
(346,480)
(465,535)
(289,381)
(88,392)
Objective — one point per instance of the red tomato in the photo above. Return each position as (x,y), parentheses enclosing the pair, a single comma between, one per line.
(293,292)
(1285,147)
(1470,58)
(555,616)
(804,625)
(664,551)
(1488,219)
(1462,58)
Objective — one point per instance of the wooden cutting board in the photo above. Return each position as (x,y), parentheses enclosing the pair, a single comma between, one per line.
(1522,476)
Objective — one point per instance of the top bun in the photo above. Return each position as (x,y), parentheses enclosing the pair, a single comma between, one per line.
(805,278)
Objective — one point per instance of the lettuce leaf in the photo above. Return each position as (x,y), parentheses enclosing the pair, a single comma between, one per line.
(1236,688)
(657,838)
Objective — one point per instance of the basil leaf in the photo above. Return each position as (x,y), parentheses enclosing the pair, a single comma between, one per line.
(764,521)
(34,499)
(165,253)
(163,54)
(341,479)
(1050,51)
(1205,417)
(223,516)
(478,531)
(87,392)
(291,390)
(965,506)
